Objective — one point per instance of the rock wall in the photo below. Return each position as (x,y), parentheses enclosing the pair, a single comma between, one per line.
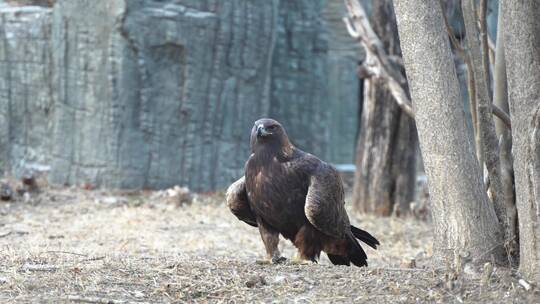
(344,87)
(25,87)
(299,95)
(150,94)
(174,89)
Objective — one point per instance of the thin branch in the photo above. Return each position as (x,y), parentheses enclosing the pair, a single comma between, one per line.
(352,31)
(471,86)
(473,106)
(39,267)
(502,115)
(99,300)
(401,269)
(65,252)
(378,63)
(492,47)
(452,36)
(485,45)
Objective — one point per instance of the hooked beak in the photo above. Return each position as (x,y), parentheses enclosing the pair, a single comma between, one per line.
(261,131)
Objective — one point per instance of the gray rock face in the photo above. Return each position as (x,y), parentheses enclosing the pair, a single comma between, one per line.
(344,90)
(25,91)
(174,89)
(299,91)
(151,94)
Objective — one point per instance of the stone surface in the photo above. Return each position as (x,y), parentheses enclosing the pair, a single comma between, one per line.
(344,87)
(175,91)
(25,91)
(152,94)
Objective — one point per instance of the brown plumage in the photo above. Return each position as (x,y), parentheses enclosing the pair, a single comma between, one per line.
(293,193)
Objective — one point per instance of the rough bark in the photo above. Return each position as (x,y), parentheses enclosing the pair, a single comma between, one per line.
(465,222)
(522,42)
(386,147)
(500,99)
(136,93)
(486,125)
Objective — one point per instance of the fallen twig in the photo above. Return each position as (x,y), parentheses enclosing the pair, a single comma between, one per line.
(403,269)
(101,300)
(66,252)
(39,267)
(525,284)
(93,259)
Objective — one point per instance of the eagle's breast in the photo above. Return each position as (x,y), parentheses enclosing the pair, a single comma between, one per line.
(276,192)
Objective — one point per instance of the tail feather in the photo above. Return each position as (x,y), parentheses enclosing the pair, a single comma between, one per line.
(339,260)
(353,252)
(356,254)
(365,237)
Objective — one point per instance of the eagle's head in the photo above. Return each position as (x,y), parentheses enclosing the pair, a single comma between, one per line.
(269,135)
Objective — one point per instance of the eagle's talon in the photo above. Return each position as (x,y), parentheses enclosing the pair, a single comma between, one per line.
(300,261)
(279,260)
(274,260)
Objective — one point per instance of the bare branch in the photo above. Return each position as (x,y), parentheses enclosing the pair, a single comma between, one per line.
(38,267)
(452,36)
(492,46)
(473,106)
(485,45)
(378,63)
(471,86)
(350,28)
(400,96)
(98,300)
(502,115)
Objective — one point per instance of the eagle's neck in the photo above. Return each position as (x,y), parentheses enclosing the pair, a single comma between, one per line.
(267,152)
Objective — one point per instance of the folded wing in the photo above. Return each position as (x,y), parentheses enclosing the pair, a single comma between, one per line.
(238,202)
(325,205)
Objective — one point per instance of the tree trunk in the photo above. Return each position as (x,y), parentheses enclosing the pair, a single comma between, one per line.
(465,222)
(486,125)
(522,42)
(500,99)
(385,154)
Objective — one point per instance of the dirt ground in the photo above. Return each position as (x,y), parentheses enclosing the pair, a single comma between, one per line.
(72,245)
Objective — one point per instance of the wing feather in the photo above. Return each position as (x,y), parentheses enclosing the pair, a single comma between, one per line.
(238,202)
(325,204)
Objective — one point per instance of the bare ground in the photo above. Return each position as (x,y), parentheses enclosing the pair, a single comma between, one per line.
(69,245)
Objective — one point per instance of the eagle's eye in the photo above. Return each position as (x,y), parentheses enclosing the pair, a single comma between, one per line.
(272,128)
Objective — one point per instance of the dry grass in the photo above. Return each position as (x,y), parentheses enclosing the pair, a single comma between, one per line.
(90,246)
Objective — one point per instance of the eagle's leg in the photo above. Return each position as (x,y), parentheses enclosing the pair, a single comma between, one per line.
(270,238)
(308,242)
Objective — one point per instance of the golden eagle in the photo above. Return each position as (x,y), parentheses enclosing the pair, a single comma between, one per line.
(293,193)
